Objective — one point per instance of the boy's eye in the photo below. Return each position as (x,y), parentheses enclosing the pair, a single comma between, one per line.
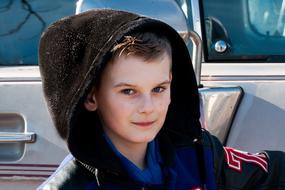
(128,91)
(158,89)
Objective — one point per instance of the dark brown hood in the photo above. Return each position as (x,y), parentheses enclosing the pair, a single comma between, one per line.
(72,53)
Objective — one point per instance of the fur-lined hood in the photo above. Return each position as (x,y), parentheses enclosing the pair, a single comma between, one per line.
(72,53)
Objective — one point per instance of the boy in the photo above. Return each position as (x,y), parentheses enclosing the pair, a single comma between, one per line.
(122,93)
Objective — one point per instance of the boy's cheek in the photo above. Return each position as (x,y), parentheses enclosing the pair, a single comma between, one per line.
(167,101)
(164,107)
(168,98)
(163,103)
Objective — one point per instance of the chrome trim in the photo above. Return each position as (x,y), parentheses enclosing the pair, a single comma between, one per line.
(242,78)
(221,46)
(78,6)
(196,17)
(218,107)
(185,36)
(242,71)
(196,57)
(19,73)
(6,137)
(184,8)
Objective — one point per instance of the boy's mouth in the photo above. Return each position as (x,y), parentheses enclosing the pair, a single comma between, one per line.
(144,124)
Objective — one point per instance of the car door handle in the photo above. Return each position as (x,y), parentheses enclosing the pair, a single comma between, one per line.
(9,137)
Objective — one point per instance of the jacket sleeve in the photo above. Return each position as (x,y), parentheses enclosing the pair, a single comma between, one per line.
(235,169)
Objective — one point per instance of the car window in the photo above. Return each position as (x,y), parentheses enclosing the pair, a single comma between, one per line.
(244,30)
(267,17)
(21,25)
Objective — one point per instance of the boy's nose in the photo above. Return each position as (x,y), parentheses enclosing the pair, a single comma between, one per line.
(146,105)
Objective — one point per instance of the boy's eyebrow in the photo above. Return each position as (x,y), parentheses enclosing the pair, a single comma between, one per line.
(131,85)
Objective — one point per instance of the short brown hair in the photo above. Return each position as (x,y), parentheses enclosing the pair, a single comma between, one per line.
(145,44)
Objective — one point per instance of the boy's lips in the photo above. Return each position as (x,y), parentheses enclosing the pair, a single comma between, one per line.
(144,124)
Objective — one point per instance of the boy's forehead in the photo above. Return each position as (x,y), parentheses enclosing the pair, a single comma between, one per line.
(129,69)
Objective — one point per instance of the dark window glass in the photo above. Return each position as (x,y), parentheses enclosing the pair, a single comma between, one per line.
(21,25)
(253,30)
(267,17)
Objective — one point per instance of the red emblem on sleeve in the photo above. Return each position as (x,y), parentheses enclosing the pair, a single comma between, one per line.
(235,158)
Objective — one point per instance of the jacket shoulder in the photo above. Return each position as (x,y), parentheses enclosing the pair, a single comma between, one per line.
(70,176)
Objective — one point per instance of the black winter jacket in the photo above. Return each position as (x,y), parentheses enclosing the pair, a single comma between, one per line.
(265,171)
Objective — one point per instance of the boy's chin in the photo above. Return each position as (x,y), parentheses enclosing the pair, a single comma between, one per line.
(145,139)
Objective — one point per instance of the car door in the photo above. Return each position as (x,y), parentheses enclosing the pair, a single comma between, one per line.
(30,149)
(244,45)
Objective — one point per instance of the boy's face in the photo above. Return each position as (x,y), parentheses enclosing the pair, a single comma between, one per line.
(133,98)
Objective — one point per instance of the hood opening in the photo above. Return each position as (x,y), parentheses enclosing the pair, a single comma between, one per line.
(182,120)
